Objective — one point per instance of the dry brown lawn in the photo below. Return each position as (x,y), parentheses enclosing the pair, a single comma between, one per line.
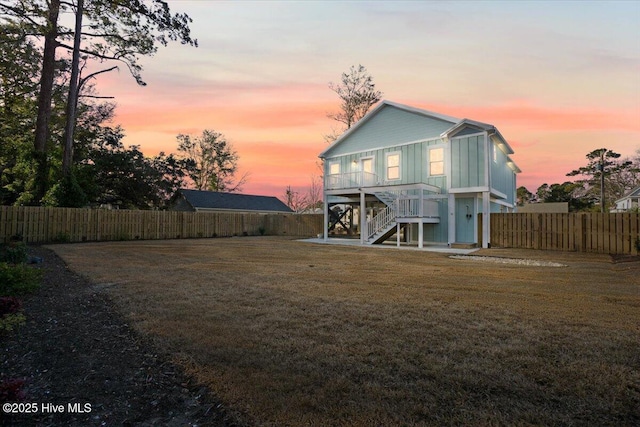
(294,333)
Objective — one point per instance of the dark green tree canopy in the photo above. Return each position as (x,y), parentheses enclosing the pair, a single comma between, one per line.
(35,83)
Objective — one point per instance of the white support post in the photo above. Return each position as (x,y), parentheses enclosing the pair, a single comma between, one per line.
(486,214)
(397,234)
(325,227)
(363,218)
(420,233)
(451,207)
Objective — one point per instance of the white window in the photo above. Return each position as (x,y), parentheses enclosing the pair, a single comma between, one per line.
(393,166)
(436,161)
(495,153)
(334,168)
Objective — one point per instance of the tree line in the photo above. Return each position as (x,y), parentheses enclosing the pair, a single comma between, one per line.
(57,144)
(605,178)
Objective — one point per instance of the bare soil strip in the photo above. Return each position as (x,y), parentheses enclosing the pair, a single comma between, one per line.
(77,349)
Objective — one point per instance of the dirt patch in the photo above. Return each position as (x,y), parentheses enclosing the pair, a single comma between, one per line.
(75,349)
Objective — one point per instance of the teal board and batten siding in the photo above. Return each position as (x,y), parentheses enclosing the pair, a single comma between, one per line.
(414,160)
(435,233)
(467,162)
(502,176)
(388,127)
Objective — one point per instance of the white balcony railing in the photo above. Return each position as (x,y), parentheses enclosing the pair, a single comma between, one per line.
(410,208)
(351,180)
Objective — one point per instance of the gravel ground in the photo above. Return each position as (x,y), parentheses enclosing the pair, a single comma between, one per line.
(516,261)
(76,349)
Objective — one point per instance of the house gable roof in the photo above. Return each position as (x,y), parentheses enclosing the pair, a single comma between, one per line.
(233,201)
(451,126)
(441,121)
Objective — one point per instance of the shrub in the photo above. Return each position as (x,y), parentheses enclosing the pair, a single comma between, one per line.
(262,230)
(9,322)
(14,253)
(18,279)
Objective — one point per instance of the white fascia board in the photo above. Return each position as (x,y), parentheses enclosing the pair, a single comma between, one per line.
(467,136)
(501,140)
(513,165)
(502,203)
(497,193)
(423,112)
(464,122)
(468,190)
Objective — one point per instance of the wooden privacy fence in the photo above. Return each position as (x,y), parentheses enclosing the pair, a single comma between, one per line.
(38,224)
(612,233)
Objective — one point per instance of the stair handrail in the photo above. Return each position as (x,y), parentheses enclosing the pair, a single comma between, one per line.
(382,220)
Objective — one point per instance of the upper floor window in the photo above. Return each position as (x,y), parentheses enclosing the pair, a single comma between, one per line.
(436,161)
(495,153)
(393,166)
(334,168)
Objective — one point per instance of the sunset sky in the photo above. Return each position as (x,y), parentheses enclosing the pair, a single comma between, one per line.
(558,79)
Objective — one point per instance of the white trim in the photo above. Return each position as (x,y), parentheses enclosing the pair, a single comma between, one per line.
(469,190)
(487,160)
(387,147)
(486,219)
(386,165)
(451,221)
(498,193)
(502,203)
(373,163)
(467,136)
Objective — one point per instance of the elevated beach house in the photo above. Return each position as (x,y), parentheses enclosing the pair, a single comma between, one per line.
(421,176)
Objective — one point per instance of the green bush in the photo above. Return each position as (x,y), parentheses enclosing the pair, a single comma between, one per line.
(9,322)
(18,279)
(14,253)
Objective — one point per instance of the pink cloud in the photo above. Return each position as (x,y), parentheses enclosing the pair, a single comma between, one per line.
(535,117)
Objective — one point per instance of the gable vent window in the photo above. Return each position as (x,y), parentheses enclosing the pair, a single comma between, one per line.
(393,166)
(436,161)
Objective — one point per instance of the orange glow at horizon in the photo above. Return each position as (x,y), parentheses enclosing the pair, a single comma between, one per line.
(554,88)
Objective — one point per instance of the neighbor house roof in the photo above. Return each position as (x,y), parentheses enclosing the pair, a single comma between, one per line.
(633,193)
(456,125)
(214,200)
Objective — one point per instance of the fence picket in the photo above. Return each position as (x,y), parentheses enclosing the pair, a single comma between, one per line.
(615,233)
(40,224)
